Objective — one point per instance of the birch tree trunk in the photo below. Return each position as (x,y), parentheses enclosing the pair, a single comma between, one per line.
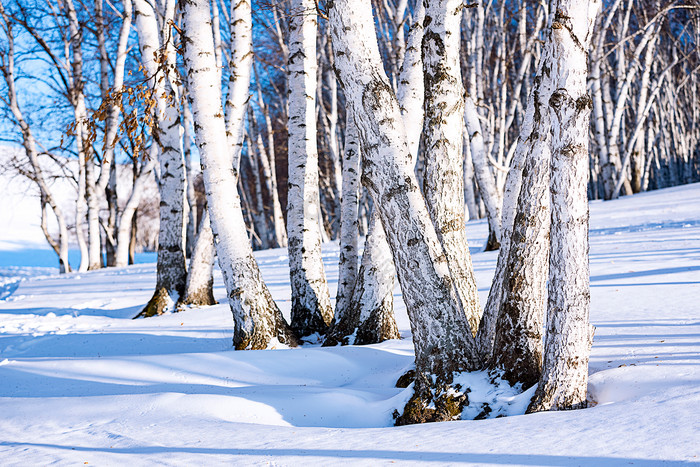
(533,149)
(258,323)
(107,181)
(517,346)
(487,184)
(370,316)
(311,305)
(472,211)
(253,153)
(126,232)
(569,334)
(200,276)
(84,149)
(191,196)
(240,64)
(270,169)
(441,333)
(171,268)
(443,184)
(349,224)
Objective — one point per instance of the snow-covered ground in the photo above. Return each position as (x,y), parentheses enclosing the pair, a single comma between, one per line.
(81,382)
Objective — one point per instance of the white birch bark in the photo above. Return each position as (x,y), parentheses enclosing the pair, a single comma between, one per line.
(258,323)
(472,211)
(444,110)
(330,125)
(441,333)
(532,149)
(569,334)
(278,233)
(484,177)
(200,273)
(107,181)
(311,305)
(77,97)
(518,338)
(111,123)
(349,224)
(192,214)
(259,218)
(369,316)
(270,169)
(240,64)
(410,90)
(124,227)
(171,267)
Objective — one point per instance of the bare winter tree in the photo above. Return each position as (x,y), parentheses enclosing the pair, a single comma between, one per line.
(35,173)
(199,290)
(443,127)
(369,316)
(349,224)
(106,183)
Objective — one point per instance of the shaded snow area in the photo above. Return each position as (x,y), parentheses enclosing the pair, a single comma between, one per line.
(81,382)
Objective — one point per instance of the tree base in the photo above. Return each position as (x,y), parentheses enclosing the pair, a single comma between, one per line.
(432,402)
(271,325)
(380,326)
(546,400)
(201,297)
(157,305)
(306,322)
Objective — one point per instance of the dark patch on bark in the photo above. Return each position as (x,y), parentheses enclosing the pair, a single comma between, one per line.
(306,321)
(492,244)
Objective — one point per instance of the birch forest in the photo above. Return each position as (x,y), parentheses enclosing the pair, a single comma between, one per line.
(381,125)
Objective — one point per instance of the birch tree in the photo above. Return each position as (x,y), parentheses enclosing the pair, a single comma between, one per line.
(444,110)
(369,316)
(199,290)
(569,334)
(349,224)
(87,195)
(311,306)
(156,44)
(258,323)
(36,174)
(441,333)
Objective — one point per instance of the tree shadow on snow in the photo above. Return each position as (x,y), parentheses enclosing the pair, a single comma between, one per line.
(385,455)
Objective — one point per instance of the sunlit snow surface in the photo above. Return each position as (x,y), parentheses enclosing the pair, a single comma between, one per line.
(80,381)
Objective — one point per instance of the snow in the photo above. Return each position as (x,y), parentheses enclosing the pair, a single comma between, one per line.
(81,382)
